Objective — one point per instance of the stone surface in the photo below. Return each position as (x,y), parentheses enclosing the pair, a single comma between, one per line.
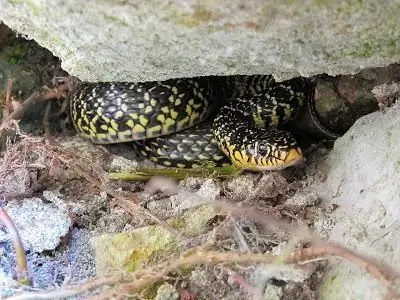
(156,40)
(40,224)
(127,250)
(273,292)
(207,193)
(72,265)
(362,179)
(167,292)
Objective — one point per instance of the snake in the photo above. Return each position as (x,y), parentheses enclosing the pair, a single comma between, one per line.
(187,122)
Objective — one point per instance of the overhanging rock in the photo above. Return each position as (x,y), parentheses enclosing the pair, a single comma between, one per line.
(156,40)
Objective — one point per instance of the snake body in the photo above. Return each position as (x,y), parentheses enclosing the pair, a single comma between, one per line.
(186,122)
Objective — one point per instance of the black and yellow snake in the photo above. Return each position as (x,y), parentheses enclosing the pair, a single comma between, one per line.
(187,122)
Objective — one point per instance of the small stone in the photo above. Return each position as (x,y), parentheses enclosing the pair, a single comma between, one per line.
(207,193)
(302,198)
(192,182)
(40,224)
(16,181)
(209,190)
(127,250)
(120,164)
(167,292)
(240,187)
(263,273)
(273,292)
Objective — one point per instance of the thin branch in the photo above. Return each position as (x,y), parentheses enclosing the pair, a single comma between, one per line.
(144,277)
(7,100)
(17,114)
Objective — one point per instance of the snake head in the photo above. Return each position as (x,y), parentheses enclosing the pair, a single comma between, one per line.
(270,149)
(276,149)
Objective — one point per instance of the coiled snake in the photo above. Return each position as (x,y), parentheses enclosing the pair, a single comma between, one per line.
(187,122)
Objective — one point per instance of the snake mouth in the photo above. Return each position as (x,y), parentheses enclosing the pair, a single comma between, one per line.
(294,157)
(288,158)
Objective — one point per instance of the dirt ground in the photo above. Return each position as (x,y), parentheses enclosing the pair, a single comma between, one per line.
(271,213)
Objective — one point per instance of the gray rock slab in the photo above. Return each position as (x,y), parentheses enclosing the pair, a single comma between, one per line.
(156,40)
(363,180)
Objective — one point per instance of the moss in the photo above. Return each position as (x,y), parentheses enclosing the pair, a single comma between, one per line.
(33,7)
(374,47)
(117,21)
(15,53)
(330,286)
(200,15)
(193,222)
(398,166)
(127,250)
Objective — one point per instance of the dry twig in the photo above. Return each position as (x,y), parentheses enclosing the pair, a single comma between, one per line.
(57,92)
(130,284)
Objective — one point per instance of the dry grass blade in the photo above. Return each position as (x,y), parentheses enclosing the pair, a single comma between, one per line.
(22,272)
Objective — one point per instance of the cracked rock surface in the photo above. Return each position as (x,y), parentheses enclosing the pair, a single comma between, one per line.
(363,176)
(156,40)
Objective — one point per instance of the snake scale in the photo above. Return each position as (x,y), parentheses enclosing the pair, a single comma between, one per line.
(189,121)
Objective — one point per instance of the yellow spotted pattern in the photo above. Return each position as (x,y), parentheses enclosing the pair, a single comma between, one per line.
(105,112)
(167,115)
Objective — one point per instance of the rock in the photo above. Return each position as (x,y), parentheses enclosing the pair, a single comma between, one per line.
(167,292)
(8,286)
(80,256)
(73,264)
(193,183)
(207,193)
(209,190)
(126,250)
(362,180)
(302,198)
(153,40)
(120,164)
(16,180)
(263,273)
(40,224)
(240,187)
(192,223)
(273,292)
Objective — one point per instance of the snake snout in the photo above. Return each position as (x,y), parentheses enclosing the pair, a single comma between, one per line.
(294,156)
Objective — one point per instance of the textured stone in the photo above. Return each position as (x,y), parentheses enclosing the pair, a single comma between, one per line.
(362,180)
(156,40)
(40,224)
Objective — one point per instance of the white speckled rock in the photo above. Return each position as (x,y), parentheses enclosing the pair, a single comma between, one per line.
(156,40)
(40,224)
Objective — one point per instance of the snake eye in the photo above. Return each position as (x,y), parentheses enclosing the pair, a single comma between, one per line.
(263,149)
